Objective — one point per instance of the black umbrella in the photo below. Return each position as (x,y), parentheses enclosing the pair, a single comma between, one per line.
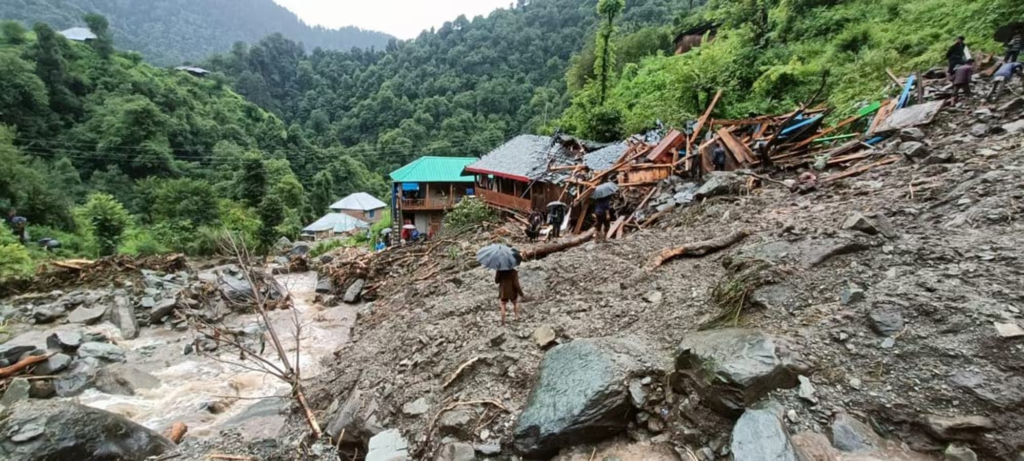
(605,190)
(499,257)
(1005,34)
(557,204)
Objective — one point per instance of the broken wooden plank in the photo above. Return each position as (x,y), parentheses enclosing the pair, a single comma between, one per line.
(673,140)
(697,249)
(704,118)
(860,169)
(743,153)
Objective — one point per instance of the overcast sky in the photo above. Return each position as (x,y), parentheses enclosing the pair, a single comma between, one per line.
(401,18)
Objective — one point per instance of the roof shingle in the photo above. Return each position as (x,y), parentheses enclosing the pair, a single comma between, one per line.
(434,169)
(359,201)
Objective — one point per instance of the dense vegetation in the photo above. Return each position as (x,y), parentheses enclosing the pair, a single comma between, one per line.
(171,32)
(770,55)
(107,153)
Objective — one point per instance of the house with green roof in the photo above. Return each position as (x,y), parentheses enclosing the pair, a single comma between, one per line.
(422,191)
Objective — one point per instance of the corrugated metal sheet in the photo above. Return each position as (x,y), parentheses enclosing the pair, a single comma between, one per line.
(339,222)
(359,201)
(78,34)
(434,169)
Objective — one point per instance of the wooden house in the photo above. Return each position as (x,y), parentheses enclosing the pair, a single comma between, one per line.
(361,206)
(690,39)
(422,191)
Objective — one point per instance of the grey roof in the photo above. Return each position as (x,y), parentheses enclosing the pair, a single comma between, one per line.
(193,70)
(525,156)
(79,34)
(339,222)
(359,201)
(603,159)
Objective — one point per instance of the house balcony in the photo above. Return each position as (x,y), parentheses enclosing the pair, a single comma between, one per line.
(505,201)
(430,204)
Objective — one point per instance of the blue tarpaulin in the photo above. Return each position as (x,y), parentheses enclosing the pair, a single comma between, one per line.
(410,186)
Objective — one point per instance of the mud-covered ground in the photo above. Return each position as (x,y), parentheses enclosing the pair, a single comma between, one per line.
(950,273)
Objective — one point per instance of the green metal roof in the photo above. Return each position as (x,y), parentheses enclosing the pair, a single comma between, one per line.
(434,169)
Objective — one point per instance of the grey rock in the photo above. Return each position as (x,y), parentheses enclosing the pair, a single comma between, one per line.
(120,379)
(102,351)
(999,390)
(886,322)
(17,390)
(777,296)
(912,134)
(488,449)
(234,289)
(733,368)
(956,452)
(456,452)
(888,343)
(958,427)
(809,253)
(979,130)
(299,249)
(388,446)
(74,431)
(761,435)
(162,309)
(10,353)
(87,315)
(718,183)
(1014,127)
(122,315)
(1009,330)
(806,391)
(871,224)
(148,302)
(940,158)
(43,315)
(65,341)
(418,407)
(654,297)
(456,423)
(324,285)
(356,418)
(914,150)
(851,435)
(354,291)
(637,394)
(53,365)
(42,389)
(851,295)
(80,377)
(544,336)
(497,339)
(581,393)
(262,420)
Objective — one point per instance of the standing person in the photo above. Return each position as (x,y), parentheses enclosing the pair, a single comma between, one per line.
(1004,76)
(718,157)
(962,80)
(956,55)
(1013,48)
(556,215)
(536,220)
(604,220)
(17,224)
(509,289)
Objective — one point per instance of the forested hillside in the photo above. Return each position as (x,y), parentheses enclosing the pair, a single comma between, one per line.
(171,32)
(108,153)
(460,90)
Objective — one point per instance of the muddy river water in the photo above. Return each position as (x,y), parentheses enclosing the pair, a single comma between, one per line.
(209,392)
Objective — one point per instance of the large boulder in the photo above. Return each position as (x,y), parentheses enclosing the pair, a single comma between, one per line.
(582,394)
(761,435)
(121,379)
(57,430)
(720,183)
(122,315)
(102,351)
(78,379)
(356,419)
(87,315)
(65,341)
(9,354)
(733,368)
(388,446)
(162,309)
(355,290)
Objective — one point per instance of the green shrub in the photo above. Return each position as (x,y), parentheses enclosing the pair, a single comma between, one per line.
(15,260)
(468,213)
(106,221)
(328,246)
(143,243)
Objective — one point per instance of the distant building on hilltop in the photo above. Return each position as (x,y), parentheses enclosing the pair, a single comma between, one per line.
(197,71)
(360,205)
(78,34)
(422,191)
(690,39)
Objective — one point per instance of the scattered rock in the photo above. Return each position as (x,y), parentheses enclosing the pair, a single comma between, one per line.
(17,390)
(806,391)
(544,336)
(356,418)
(10,353)
(720,183)
(956,452)
(456,452)
(102,351)
(914,150)
(87,315)
(761,435)
(79,378)
(1009,330)
(888,343)
(1000,390)
(42,316)
(654,297)
(120,379)
(581,395)
(324,285)
(42,389)
(940,158)
(851,295)
(1014,127)
(148,302)
(65,341)
(388,446)
(497,339)
(733,368)
(912,134)
(958,427)
(886,322)
(979,130)
(162,309)
(637,394)
(122,315)
(851,435)
(456,423)
(871,224)
(355,290)
(488,449)
(418,407)
(74,431)
(53,365)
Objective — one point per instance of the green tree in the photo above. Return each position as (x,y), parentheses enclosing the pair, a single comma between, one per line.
(272,215)
(185,200)
(103,44)
(51,67)
(106,219)
(251,183)
(608,10)
(15,260)
(13,32)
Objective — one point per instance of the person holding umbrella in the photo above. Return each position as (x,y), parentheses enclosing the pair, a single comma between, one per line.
(603,207)
(504,260)
(556,215)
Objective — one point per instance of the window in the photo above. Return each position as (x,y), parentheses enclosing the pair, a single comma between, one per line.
(371,212)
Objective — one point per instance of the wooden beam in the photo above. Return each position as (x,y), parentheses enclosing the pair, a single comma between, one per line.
(583,215)
(743,153)
(704,118)
(615,227)
(861,169)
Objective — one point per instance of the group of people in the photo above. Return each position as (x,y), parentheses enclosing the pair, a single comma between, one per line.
(961,67)
(555,218)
